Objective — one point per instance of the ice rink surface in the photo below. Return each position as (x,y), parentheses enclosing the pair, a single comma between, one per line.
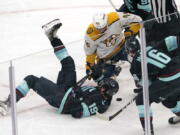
(21,35)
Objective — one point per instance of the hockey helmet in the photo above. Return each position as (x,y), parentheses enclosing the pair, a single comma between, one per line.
(111,86)
(100,20)
(132,45)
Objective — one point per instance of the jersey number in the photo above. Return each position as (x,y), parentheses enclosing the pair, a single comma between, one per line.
(93,108)
(158,59)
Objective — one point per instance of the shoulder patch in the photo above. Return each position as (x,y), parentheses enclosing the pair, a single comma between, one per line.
(92,32)
(112,17)
(89,30)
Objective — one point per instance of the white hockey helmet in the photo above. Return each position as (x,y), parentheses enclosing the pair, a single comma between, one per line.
(100,20)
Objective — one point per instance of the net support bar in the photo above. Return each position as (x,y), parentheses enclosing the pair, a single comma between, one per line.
(145,81)
(13,99)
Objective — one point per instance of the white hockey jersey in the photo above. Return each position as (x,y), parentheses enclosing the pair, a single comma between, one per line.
(104,45)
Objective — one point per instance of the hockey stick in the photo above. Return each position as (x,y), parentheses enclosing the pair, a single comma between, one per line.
(109,118)
(112,4)
(80,82)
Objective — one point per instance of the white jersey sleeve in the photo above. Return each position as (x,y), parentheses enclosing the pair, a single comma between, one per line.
(89,46)
(127,19)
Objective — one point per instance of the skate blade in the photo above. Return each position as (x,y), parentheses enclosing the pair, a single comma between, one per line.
(54,22)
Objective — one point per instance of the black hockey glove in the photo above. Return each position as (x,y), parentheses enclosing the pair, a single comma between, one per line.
(88,70)
(88,73)
(96,72)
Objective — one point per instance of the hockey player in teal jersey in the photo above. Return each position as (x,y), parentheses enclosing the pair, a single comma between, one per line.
(66,95)
(161,17)
(141,8)
(163,75)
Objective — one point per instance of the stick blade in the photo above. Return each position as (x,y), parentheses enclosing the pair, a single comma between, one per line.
(103,117)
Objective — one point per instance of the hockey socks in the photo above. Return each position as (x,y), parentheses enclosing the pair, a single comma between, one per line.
(23,88)
(175,110)
(142,120)
(59,49)
(56,42)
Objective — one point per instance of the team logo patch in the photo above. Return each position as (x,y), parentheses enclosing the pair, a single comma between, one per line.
(111,41)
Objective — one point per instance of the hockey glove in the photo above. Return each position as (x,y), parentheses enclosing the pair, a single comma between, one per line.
(97,72)
(90,61)
(88,70)
(88,73)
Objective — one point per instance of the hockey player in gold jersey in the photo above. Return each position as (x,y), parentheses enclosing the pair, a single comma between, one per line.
(105,38)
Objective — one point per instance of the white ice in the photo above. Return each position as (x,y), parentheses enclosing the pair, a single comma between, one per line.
(21,35)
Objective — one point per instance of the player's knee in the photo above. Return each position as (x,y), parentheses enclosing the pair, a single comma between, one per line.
(31,80)
(169,104)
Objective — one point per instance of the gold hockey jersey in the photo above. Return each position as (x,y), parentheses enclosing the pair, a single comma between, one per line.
(105,45)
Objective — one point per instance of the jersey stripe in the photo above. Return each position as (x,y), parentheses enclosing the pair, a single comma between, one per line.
(154,8)
(162,9)
(63,101)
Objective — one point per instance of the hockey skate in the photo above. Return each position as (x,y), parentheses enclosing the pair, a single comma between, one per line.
(174,120)
(4,107)
(51,28)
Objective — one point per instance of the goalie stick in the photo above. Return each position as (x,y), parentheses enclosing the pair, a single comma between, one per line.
(111,117)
